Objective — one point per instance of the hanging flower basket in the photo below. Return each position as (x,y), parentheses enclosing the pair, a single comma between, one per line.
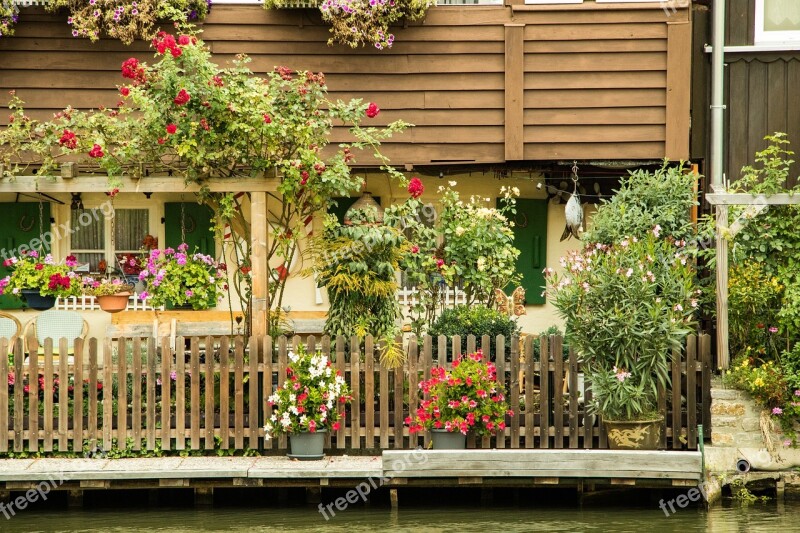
(37,301)
(114,303)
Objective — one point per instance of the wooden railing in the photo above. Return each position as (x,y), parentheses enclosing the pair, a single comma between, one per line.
(125,393)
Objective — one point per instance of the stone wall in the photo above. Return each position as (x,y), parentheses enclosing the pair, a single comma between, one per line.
(735,419)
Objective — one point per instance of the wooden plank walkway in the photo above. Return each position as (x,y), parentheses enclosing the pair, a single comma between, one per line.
(584,464)
(395,467)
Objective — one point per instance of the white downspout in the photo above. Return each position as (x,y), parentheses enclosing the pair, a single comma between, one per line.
(717,145)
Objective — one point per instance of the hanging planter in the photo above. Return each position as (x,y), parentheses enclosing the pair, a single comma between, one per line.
(114,303)
(36,301)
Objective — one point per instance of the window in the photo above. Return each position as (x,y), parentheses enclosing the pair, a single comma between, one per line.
(91,239)
(553,1)
(469,2)
(777,21)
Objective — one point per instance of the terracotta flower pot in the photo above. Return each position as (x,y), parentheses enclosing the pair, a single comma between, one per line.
(114,303)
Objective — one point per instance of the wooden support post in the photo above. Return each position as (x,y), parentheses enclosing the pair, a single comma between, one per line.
(204,496)
(5,496)
(75,499)
(393,498)
(313,495)
(259,235)
(723,357)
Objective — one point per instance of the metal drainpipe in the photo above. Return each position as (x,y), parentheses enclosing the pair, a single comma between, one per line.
(717,140)
(717,91)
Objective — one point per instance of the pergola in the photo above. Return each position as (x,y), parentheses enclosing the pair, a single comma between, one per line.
(70,182)
(721,199)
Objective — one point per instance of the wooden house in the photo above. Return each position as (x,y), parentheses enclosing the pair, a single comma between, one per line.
(500,94)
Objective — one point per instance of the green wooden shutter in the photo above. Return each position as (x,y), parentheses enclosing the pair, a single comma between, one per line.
(197,226)
(530,236)
(20,225)
(343,203)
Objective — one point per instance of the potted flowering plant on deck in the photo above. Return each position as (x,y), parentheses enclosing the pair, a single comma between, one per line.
(177,277)
(468,398)
(39,279)
(306,405)
(112,294)
(628,306)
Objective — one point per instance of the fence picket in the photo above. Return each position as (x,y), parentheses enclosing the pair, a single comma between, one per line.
(252,385)
(355,390)
(47,411)
(384,400)
(369,392)
(108,391)
(500,363)
(413,386)
(340,367)
(150,417)
(544,391)
(4,371)
(33,398)
(77,408)
(63,397)
(18,398)
(514,392)
(573,398)
(399,403)
(676,399)
(282,356)
(167,367)
(136,404)
(238,409)
(691,391)
(556,355)
(180,394)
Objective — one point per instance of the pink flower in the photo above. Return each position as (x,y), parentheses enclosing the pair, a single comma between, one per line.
(415,249)
(415,187)
(773,329)
(777,411)
(373,110)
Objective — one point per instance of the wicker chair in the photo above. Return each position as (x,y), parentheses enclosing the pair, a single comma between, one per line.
(56,325)
(10,328)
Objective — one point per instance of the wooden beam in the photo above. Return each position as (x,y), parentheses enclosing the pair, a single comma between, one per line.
(723,355)
(148,184)
(258,235)
(748,199)
(679,72)
(514,92)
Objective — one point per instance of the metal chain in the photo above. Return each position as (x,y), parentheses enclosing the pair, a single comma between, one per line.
(183,222)
(41,220)
(575,174)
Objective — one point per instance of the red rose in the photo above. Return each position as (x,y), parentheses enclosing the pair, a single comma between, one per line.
(183,40)
(161,140)
(176,52)
(171,128)
(204,124)
(124,91)
(415,187)
(68,140)
(373,110)
(96,151)
(267,118)
(182,97)
(129,68)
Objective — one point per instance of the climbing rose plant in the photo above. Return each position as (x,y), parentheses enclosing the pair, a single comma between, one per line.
(187,116)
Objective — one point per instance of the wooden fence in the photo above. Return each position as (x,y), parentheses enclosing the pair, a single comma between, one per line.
(123,393)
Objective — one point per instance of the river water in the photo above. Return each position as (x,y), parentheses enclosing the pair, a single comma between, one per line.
(752,518)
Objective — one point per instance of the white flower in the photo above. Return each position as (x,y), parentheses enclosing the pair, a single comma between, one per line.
(460,231)
(515,190)
(452,183)
(481,263)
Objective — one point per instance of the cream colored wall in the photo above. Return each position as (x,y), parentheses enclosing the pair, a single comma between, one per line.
(300,294)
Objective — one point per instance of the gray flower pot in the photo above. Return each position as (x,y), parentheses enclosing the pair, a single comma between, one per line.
(307,445)
(441,439)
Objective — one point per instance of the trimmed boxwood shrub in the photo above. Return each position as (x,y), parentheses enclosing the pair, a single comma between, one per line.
(476,320)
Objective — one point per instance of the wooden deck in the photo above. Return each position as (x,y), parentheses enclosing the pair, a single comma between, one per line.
(395,468)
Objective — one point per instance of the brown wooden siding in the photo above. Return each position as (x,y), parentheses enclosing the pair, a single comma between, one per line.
(761,99)
(481,83)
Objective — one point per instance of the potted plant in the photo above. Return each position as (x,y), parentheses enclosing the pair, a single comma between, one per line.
(112,294)
(305,407)
(468,398)
(177,277)
(627,307)
(40,280)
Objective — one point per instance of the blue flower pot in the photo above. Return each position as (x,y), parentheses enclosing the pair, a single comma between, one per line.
(441,439)
(306,445)
(37,301)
